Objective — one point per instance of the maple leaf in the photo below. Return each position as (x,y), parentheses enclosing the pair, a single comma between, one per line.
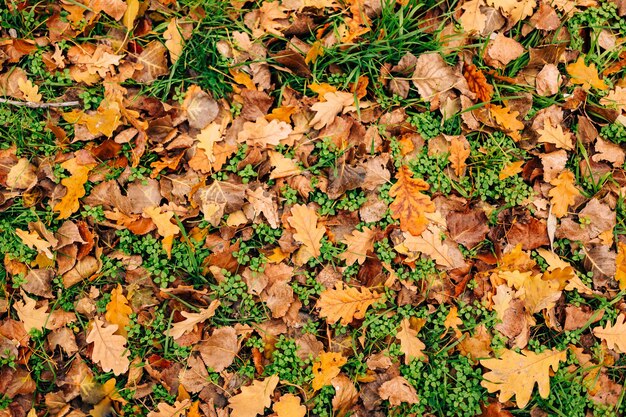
(410,345)
(585,75)
(344,305)
(32,317)
(620,263)
(563,194)
(507,119)
(327,110)
(614,335)
(30,90)
(458,155)
(326,368)
(289,406)
(264,133)
(174,41)
(253,399)
(398,390)
(192,319)
(409,204)
(359,243)
(177,410)
(516,374)
(118,310)
(109,349)
(555,135)
(75,185)
(304,220)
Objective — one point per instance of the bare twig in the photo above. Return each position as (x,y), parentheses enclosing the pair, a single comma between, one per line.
(34,105)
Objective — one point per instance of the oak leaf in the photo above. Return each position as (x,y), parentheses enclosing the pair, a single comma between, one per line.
(433,75)
(346,395)
(118,311)
(75,185)
(30,90)
(556,136)
(398,390)
(22,176)
(507,119)
(32,317)
(409,204)
(109,349)
(516,374)
(192,319)
(585,75)
(34,241)
(304,220)
(510,169)
(563,194)
(177,410)
(410,344)
(458,155)
(327,110)
(101,61)
(615,99)
(614,335)
(472,19)
(429,243)
(326,368)
(263,133)
(164,225)
(359,243)
(114,8)
(289,406)
(344,305)
(253,399)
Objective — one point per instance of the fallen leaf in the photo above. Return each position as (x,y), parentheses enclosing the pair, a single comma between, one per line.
(507,119)
(263,133)
(410,344)
(433,75)
(516,374)
(563,194)
(620,263)
(409,204)
(253,399)
(118,311)
(398,390)
(304,220)
(358,244)
(289,406)
(153,63)
(326,368)
(32,317)
(502,50)
(326,111)
(30,91)
(219,350)
(109,349)
(75,186)
(614,335)
(165,410)
(458,156)
(345,304)
(556,136)
(192,319)
(174,41)
(585,75)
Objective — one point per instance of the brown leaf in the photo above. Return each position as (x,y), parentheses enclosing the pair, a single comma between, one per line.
(433,76)
(467,228)
(304,220)
(346,395)
(201,109)
(109,349)
(529,232)
(192,319)
(398,390)
(220,349)
(154,63)
(502,50)
(38,282)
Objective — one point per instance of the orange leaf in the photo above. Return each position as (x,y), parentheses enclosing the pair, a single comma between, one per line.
(344,305)
(75,187)
(410,205)
(563,194)
(585,75)
(507,119)
(326,368)
(458,155)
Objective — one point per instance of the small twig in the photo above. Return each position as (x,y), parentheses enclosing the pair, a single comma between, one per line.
(34,105)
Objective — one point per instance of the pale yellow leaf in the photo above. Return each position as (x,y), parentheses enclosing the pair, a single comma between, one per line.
(109,349)
(254,398)
(192,319)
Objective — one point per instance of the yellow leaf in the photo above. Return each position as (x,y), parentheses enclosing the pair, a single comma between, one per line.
(511,169)
(359,243)
(30,90)
(253,399)
(458,155)
(104,121)
(192,319)
(410,345)
(316,51)
(174,41)
(507,119)
(289,406)
(453,321)
(31,316)
(34,241)
(585,75)
(326,368)
(75,185)
(132,10)
(321,89)
(304,220)
(409,204)
(620,262)
(614,335)
(344,305)
(555,135)
(516,374)
(109,349)
(164,225)
(166,410)
(118,311)
(242,78)
(282,113)
(563,194)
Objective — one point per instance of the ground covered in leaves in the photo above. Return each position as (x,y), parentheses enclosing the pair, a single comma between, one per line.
(324,208)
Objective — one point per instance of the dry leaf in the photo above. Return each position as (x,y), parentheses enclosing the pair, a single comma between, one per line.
(34,241)
(344,305)
(75,186)
(556,136)
(109,349)
(218,351)
(398,390)
(458,155)
(32,317)
(507,119)
(153,63)
(615,99)
(263,133)
(174,41)
(253,399)
(289,406)
(563,194)
(410,344)
(192,319)
(358,244)
(429,243)
(118,311)
(585,75)
(326,368)
(326,111)
(177,410)
(614,335)
(620,265)
(409,204)
(433,75)
(304,220)
(30,91)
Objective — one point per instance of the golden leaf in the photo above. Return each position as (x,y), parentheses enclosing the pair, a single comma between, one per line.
(453,321)
(585,75)
(75,185)
(410,205)
(289,406)
(174,41)
(326,368)
(614,335)
(109,349)
(34,241)
(410,345)
(304,220)
(563,194)
(555,135)
(516,374)
(344,305)
(131,13)
(253,399)
(510,169)
(507,119)
(359,243)
(192,319)
(31,316)
(118,311)
(164,225)
(316,51)
(615,99)
(458,155)
(30,90)
(165,410)
(327,110)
